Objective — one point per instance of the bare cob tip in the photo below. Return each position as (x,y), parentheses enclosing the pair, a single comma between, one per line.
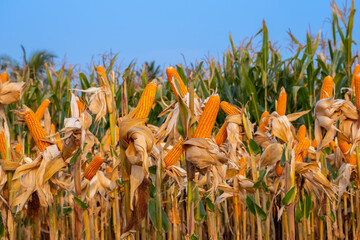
(356,71)
(281,104)
(4,77)
(93,167)
(229,108)
(327,88)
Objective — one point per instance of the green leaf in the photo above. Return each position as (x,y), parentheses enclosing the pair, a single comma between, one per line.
(202,210)
(308,204)
(289,197)
(152,169)
(260,212)
(164,221)
(250,204)
(299,212)
(194,237)
(80,203)
(75,157)
(283,159)
(254,148)
(261,177)
(152,212)
(210,205)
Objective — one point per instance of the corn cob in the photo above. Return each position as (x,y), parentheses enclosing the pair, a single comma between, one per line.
(172,73)
(327,88)
(301,150)
(36,130)
(243,166)
(345,147)
(41,109)
(279,169)
(357,90)
(93,167)
(53,131)
(281,103)
(108,169)
(221,136)
(146,100)
(314,143)
(351,159)
(101,72)
(208,118)
(301,133)
(18,150)
(81,106)
(3,77)
(264,122)
(229,108)
(174,154)
(108,140)
(2,145)
(332,145)
(356,71)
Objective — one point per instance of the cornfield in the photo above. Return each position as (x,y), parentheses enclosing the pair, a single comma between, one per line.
(252,146)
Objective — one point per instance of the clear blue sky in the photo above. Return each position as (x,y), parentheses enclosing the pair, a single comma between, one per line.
(154,30)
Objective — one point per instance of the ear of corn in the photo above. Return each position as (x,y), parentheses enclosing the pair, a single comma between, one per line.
(172,73)
(264,122)
(81,106)
(174,154)
(327,88)
(356,71)
(3,77)
(243,166)
(2,145)
(208,118)
(278,169)
(146,100)
(301,150)
(93,167)
(345,147)
(36,130)
(41,109)
(351,159)
(229,108)
(281,103)
(53,131)
(357,90)
(314,143)
(301,133)
(18,150)
(221,136)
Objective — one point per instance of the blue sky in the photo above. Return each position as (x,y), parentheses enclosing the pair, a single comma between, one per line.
(154,30)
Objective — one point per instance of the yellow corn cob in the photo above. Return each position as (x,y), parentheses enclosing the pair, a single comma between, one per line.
(301,134)
(301,150)
(146,100)
(229,108)
(356,71)
(221,136)
(2,145)
(278,169)
(174,154)
(345,147)
(18,150)
(332,145)
(327,88)
(36,130)
(108,140)
(101,72)
(314,143)
(93,167)
(208,118)
(108,169)
(171,72)
(53,131)
(264,122)
(243,166)
(281,103)
(80,106)
(357,90)
(3,77)
(351,159)
(41,109)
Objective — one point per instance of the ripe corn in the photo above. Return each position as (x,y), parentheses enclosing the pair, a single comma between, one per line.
(108,169)
(36,130)
(2,145)
(101,72)
(221,136)
(229,108)
(208,118)
(41,109)
(4,77)
(18,150)
(351,159)
(93,167)
(243,166)
(146,100)
(174,154)
(301,134)
(81,106)
(332,145)
(279,169)
(264,122)
(314,143)
(357,90)
(53,131)
(301,150)
(281,103)
(171,72)
(356,71)
(327,88)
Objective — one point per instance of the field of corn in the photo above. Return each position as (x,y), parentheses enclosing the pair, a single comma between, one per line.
(252,146)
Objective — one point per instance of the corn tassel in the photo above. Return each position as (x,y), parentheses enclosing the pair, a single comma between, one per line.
(221,136)
(208,118)
(229,108)
(41,109)
(4,77)
(93,167)
(301,134)
(146,100)
(36,130)
(264,121)
(357,90)
(281,103)
(301,150)
(356,71)
(174,154)
(327,88)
